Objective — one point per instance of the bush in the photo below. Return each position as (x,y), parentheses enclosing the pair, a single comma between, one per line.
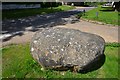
(117,6)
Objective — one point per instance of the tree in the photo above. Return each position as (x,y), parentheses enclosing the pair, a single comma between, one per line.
(117,6)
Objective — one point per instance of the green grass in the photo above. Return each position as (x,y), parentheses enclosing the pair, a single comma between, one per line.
(18,63)
(13,14)
(109,17)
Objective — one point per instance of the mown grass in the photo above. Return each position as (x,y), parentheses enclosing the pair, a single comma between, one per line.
(106,16)
(17,62)
(19,13)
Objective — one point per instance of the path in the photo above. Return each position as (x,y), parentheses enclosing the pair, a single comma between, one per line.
(109,33)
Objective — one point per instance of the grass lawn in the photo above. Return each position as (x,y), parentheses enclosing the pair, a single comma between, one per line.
(106,16)
(19,13)
(18,63)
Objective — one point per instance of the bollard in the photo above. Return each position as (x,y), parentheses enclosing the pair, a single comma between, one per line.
(84,12)
(97,14)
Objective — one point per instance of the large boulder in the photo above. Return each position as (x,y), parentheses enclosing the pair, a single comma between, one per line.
(63,49)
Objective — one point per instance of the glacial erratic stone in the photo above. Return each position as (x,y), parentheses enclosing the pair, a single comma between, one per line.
(63,49)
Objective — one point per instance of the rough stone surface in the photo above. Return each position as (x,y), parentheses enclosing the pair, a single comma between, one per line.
(62,48)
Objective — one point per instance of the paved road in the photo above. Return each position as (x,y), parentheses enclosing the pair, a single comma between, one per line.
(109,33)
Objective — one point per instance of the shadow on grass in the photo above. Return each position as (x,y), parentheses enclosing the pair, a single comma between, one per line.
(21,13)
(107,10)
(94,65)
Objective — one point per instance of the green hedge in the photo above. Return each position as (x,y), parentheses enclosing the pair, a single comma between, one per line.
(50,4)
